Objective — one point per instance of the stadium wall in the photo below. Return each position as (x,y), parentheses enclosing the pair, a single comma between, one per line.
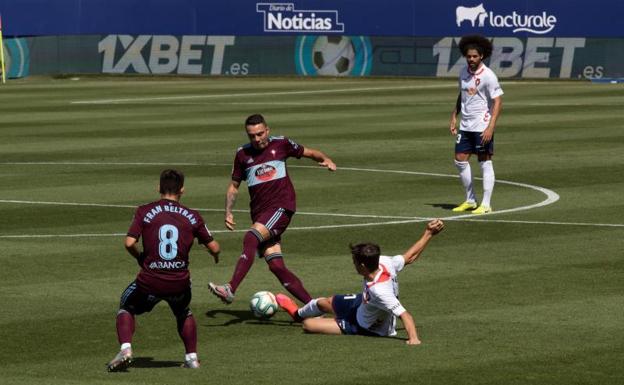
(547,39)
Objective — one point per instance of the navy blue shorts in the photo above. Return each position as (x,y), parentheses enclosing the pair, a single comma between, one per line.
(136,302)
(470,143)
(345,308)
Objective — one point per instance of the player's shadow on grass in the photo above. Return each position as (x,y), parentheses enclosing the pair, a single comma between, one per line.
(444,206)
(149,362)
(242,316)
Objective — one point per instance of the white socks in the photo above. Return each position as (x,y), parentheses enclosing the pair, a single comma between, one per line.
(190,357)
(310,310)
(488,181)
(465,175)
(125,345)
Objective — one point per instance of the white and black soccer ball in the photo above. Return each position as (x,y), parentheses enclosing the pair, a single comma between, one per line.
(263,304)
(333,55)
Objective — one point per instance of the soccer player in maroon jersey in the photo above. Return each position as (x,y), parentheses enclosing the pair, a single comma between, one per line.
(168,230)
(262,163)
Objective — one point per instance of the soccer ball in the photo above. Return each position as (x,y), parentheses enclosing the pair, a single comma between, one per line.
(333,55)
(263,304)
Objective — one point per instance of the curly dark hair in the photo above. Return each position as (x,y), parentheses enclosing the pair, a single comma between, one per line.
(478,42)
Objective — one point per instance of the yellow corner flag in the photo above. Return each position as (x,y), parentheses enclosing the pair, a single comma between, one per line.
(2,52)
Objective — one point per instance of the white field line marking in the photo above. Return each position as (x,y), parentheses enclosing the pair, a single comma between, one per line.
(551,197)
(332,227)
(108,164)
(203,209)
(376,103)
(547,222)
(278,93)
(269,93)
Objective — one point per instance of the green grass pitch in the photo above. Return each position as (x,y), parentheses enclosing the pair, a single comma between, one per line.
(530,295)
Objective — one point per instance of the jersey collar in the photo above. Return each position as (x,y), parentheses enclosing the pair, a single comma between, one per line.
(479,70)
(382,275)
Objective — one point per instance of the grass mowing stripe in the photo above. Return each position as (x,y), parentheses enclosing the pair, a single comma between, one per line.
(253,94)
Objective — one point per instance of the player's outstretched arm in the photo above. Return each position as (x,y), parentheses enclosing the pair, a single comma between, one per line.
(322,159)
(214,249)
(230,199)
(433,228)
(410,327)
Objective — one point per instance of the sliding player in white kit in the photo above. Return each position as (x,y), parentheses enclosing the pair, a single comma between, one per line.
(479,102)
(374,311)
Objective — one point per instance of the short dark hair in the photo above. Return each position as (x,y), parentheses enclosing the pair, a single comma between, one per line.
(478,42)
(171,181)
(254,119)
(366,254)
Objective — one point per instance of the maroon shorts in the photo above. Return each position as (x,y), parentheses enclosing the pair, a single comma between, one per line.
(276,220)
(136,301)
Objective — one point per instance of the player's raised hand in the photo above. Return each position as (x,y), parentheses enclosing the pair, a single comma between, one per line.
(229,221)
(435,226)
(329,164)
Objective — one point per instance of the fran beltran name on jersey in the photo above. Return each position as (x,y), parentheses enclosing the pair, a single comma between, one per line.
(150,215)
(283,17)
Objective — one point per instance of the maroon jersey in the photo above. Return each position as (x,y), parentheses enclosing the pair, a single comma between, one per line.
(168,229)
(266,175)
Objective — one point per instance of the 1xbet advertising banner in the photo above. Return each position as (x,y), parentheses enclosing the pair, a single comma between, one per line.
(500,18)
(317,55)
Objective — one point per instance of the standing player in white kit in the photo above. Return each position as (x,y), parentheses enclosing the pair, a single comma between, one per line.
(479,102)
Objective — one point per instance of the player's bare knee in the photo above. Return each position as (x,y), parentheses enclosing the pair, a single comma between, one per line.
(308,325)
(325,304)
(462,157)
(261,229)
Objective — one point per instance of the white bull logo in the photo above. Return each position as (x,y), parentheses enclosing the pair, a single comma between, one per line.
(471,14)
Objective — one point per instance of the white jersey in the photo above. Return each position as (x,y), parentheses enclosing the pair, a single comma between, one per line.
(380,299)
(478,89)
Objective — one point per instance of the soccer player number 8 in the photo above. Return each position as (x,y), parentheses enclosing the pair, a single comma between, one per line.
(168,246)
